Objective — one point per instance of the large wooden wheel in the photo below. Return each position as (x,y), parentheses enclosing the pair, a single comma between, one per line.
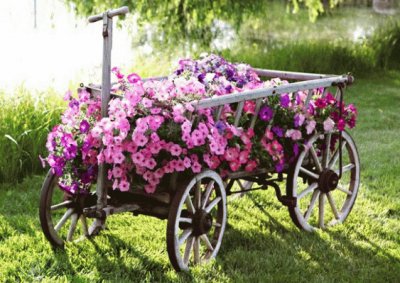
(323,197)
(60,213)
(196,221)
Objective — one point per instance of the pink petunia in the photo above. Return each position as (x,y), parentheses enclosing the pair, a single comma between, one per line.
(175,150)
(124,186)
(328,125)
(196,167)
(310,126)
(117,172)
(293,134)
(140,139)
(250,166)
(231,154)
(234,165)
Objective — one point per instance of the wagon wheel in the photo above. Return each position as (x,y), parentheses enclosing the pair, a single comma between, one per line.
(196,221)
(314,180)
(60,213)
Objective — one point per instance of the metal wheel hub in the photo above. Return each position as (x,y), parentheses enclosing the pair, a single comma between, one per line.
(328,181)
(202,222)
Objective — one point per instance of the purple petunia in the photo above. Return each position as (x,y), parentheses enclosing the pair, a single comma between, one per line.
(278,131)
(220,127)
(84,127)
(266,113)
(285,100)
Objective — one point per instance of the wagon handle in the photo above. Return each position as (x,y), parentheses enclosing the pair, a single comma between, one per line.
(112,13)
(101,188)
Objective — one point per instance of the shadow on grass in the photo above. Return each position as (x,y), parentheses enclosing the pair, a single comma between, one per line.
(148,268)
(278,254)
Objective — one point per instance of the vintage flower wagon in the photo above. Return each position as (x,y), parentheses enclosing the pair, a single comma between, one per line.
(322,177)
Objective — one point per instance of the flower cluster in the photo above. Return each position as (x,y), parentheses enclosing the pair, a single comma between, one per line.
(72,148)
(153,129)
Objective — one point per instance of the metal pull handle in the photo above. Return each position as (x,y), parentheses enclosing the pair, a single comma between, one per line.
(112,13)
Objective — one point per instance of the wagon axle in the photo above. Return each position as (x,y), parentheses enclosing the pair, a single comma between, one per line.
(202,222)
(328,181)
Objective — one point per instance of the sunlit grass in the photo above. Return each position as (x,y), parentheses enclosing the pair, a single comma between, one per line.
(25,120)
(261,243)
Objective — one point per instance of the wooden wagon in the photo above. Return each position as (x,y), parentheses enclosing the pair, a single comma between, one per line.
(195,205)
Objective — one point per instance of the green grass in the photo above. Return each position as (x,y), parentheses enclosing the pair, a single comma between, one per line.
(260,244)
(25,120)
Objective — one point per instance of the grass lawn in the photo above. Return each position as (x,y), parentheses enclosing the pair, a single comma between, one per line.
(261,244)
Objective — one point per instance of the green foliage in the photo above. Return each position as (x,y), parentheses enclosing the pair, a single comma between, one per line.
(380,52)
(179,20)
(194,21)
(386,44)
(25,121)
(260,244)
(315,7)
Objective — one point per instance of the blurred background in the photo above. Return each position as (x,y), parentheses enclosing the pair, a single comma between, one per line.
(48,43)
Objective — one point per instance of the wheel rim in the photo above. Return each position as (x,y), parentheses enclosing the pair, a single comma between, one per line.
(197,221)
(61,213)
(320,201)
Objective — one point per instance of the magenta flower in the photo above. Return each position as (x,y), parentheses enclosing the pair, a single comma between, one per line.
(84,127)
(266,113)
(321,103)
(133,78)
(278,131)
(284,100)
(341,124)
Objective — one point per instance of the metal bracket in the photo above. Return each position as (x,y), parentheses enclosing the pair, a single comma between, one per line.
(288,201)
(105,24)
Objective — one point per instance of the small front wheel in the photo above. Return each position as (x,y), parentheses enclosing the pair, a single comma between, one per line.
(196,221)
(61,212)
(324,194)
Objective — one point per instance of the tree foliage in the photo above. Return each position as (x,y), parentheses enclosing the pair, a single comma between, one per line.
(193,20)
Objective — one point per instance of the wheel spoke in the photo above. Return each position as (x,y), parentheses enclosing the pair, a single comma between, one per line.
(346,168)
(216,224)
(310,189)
(325,158)
(64,219)
(72,227)
(311,205)
(197,195)
(207,194)
(61,205)
(316,159)
(309,173)
(196,250)
(186,233)
(333,206)
(321,208)
(340,188)
(84,225)
(185,219)
(335,156)
(212,204)
(205,239)
(188,249)
(189,205)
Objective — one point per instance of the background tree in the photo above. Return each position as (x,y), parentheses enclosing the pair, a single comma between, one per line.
(194,20)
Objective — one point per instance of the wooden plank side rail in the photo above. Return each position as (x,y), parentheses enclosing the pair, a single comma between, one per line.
(271,91)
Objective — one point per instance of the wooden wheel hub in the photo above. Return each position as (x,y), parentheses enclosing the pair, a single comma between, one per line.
(202,222)
(328,181)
